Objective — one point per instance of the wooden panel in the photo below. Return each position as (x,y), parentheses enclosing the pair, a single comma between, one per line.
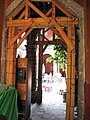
(22,91)
(22,62)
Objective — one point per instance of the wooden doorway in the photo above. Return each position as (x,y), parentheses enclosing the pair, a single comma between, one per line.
(21,20)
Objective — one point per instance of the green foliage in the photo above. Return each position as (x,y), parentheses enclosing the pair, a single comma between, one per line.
(60,56)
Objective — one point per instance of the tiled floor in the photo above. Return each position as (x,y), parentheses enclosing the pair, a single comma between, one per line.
(52,108)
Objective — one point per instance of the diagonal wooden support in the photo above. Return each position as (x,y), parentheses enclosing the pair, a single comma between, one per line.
(58,34)
(63,35)
(22,39)
(38,11)
(20,33)
(22,15)
(17,10)
(63,9)
(49,12)
(28,32)
(11,60)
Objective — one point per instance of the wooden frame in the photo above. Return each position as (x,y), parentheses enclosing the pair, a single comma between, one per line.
(26,24)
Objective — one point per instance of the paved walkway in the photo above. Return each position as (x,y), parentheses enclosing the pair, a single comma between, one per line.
(52,108)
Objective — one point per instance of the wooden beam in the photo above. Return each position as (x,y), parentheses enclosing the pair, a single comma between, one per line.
(26,12)
(49,12)
(55,42)
(22,39)
(53,10)
(69,63)
(17,10)
(37,11)
(68,93)
(22,15)
(40,22)
(21,32)
(63,35)
(45,46)
(71,77)
(56,32)
(44,37)
(64,10)
(11,61)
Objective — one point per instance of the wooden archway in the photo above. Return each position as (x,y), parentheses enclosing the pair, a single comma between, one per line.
(19,21)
